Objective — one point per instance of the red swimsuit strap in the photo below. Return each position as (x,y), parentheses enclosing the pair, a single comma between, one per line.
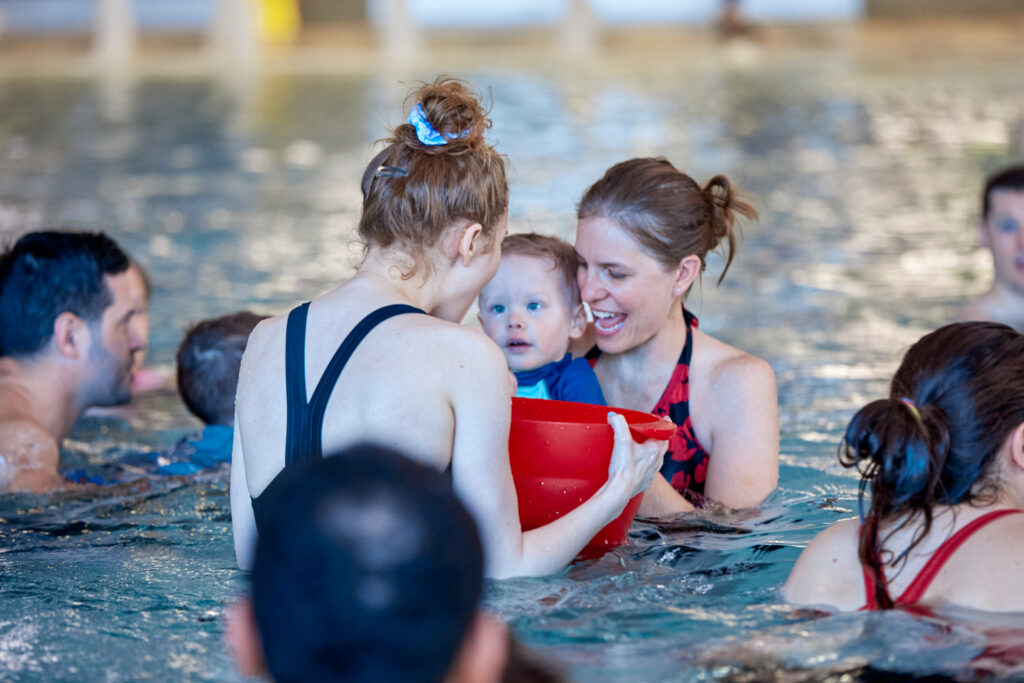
(917,588)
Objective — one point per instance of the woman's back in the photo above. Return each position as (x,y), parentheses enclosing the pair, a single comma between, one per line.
(943,461)
(411,356)
(978,574)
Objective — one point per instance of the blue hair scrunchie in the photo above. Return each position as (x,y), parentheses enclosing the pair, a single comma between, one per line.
(425,132)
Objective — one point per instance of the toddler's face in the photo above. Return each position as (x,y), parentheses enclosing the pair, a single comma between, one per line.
(1003,233)
(526,310)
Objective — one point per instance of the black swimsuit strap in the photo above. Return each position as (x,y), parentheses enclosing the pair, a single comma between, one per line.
(295,383)
(304,439)
(687,354)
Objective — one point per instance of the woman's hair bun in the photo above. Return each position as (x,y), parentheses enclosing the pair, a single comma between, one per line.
(453,109)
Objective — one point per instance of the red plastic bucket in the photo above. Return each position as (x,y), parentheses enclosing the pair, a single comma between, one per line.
(560,453)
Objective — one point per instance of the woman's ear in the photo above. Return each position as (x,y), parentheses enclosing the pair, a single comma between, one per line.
(686,272)
(243,639)
(471,243)
(71,336)
(1016,444)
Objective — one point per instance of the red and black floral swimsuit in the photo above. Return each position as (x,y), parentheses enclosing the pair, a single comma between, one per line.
(686,462)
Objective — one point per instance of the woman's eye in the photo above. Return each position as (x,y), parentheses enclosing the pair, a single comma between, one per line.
(533,306)
(616,275)
(497,308)
(1008,226)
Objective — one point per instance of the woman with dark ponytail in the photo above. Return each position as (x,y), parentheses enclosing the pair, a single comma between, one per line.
(435,209)
(942,460)
(644,231)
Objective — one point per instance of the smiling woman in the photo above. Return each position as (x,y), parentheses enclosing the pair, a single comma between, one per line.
(644,231)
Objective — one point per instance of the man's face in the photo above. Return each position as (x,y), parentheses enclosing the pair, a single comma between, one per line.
(1003,233)
(117,338)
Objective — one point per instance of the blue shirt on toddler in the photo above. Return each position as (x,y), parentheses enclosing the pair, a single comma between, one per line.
(568,379)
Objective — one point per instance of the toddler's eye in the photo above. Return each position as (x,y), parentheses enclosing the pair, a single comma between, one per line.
(498,308)
(1008,226)
(533,306)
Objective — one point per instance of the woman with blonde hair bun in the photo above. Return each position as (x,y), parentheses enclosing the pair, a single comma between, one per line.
(435,209)
(644,231)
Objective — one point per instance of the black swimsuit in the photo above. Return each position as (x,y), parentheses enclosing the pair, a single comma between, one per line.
(304,438)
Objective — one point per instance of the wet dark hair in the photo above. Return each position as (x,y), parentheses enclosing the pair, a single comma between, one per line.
(562,255)
(1010,178)
(367,568)
(413,192)
(666,211)
(45,274)
(954,400)
(208,361)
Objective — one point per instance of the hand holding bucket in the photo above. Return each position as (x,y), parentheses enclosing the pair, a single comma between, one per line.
(561,453)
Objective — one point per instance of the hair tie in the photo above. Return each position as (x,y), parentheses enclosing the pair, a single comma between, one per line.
(391,172)
(426,132)
(912,407)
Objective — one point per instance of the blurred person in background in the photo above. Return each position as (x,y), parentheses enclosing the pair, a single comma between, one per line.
(1001,231)
(68,340)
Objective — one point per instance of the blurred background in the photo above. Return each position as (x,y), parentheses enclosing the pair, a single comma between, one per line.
(222,143)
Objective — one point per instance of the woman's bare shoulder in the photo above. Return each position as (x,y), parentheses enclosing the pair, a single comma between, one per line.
(451,346)
(828,570)
(732,375)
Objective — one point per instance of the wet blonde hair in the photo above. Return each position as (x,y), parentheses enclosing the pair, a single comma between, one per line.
(412,191)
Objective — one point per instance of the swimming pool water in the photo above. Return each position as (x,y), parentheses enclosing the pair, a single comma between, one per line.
(866,172)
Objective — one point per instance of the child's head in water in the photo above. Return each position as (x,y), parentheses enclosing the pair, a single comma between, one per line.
(531,308)
(1002,226)
(208,361)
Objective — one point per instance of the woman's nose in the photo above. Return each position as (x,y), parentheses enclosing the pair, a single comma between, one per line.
(590,288)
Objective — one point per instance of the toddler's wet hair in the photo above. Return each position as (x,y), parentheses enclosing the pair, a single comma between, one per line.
(562,254)
(208,361)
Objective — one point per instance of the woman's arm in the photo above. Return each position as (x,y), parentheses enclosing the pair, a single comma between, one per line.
(661,500)
(243,521)
(743,467)
(483,477)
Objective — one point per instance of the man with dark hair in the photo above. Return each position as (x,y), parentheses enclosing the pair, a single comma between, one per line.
(1001,230)
(67,338)
(367,568)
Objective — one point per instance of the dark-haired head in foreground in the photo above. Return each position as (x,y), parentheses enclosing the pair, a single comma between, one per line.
(67,340)
(945,447)
(1001,231)
(368,568)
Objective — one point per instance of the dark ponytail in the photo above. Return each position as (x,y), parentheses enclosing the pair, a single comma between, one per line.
(957,395)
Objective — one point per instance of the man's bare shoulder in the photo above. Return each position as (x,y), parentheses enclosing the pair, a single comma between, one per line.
(29,455)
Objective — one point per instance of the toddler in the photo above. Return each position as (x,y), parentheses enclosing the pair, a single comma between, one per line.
(532,310)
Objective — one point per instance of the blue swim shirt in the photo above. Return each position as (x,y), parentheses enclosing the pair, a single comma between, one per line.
(568,379)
